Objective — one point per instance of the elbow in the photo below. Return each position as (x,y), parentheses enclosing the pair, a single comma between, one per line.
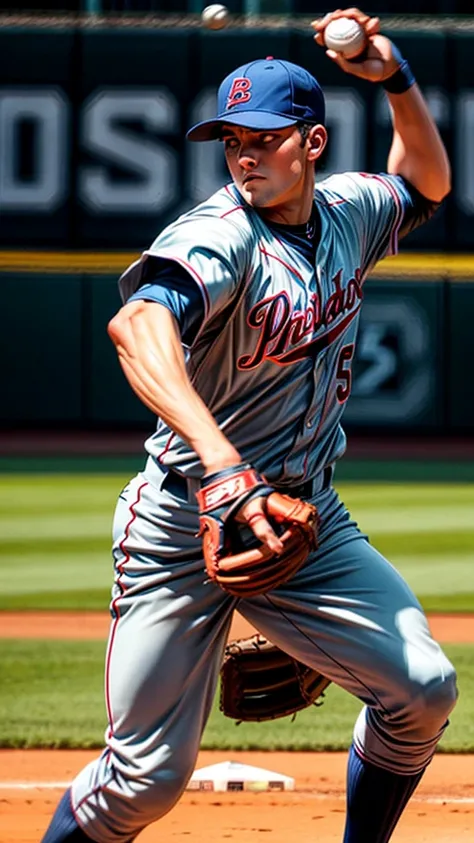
(124,328)
(448,186)
(437,191)
(444,186)
(115,328)
(120,328)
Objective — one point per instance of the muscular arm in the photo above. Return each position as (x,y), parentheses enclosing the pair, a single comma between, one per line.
(149,348)
(417,151)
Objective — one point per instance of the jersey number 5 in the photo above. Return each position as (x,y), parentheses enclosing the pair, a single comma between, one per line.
(344,374)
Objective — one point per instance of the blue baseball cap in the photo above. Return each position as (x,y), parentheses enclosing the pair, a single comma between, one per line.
(264,94)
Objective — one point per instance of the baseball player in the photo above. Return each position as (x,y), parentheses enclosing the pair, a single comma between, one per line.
(238,330)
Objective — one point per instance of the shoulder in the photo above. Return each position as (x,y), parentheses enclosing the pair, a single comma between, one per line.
(222,214)
(353,188)
(220,228)
(214,240)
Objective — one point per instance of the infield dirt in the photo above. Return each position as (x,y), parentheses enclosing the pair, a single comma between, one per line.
(449,629)
(31,782)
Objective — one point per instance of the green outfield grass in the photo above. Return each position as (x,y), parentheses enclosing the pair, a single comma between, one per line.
(55,536)
(52,697)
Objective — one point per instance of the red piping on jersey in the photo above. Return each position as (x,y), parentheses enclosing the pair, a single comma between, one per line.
(92,792)
(167,446)
(286,265)
(398,221)
(114,606)
(399,217)
(237,208)
(238,205)
(96,789)
(328,204)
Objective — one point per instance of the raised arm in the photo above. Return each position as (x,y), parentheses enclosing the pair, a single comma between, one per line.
(417,151)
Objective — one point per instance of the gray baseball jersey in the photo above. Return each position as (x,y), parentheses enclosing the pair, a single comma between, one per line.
(271,360)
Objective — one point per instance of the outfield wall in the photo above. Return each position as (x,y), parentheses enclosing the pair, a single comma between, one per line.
(93,158)
(411,372)
(92,124)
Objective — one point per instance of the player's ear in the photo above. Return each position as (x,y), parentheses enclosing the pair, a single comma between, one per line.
(317,139)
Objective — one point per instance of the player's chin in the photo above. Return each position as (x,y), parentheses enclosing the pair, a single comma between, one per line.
(254,195)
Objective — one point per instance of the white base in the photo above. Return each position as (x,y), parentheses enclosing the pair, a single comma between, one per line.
(232,776)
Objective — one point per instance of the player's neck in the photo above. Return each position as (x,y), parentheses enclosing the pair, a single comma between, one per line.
(291,213)
(293,210)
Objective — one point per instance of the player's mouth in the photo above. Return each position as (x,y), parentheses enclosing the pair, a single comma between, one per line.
(252,177)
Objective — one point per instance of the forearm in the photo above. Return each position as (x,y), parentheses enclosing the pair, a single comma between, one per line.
(417,151)
(149,349)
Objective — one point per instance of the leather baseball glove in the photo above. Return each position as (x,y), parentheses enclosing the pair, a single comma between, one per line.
(261,682)
(235,559)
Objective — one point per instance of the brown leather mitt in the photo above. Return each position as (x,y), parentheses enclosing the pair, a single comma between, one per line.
(261,682)
(235,559)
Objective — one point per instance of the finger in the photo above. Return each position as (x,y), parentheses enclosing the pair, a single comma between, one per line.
(321,23)
(336,57)
(262,529)
(354,14)
(254,514)
(373,26)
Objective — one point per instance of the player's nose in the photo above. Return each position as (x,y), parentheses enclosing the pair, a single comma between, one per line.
(247,158)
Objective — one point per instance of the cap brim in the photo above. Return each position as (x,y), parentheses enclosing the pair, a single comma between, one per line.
(211,129)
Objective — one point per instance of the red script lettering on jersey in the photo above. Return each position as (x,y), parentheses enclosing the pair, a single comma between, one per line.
(282,328)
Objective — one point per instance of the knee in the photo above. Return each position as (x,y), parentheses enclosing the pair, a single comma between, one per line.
(138,798)
(439,696)
(429,703)
(154,796)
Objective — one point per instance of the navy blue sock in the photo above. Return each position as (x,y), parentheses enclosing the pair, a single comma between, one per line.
(375,800)
(63,828)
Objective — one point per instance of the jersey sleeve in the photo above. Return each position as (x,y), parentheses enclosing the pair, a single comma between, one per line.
(380,208)
(167,283)
(210,249)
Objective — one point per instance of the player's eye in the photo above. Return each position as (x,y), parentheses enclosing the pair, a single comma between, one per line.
(268,137)
(230,143)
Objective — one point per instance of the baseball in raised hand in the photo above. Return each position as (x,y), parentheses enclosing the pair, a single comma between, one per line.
(360,50)
(347,37)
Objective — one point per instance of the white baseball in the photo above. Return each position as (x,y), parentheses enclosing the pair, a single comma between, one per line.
(215,16)
(345,36)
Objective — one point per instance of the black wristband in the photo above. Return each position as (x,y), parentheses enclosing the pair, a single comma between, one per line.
(400,81)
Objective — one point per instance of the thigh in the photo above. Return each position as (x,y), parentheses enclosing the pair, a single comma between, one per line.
(350,614)
(168,631)
(167,636)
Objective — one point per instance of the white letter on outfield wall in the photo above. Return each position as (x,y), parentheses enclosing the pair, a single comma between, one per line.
(152,163)
(47,111)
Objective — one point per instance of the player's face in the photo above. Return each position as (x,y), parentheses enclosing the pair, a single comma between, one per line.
(273,170)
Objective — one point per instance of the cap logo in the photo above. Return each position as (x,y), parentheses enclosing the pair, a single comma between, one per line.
(239,92)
